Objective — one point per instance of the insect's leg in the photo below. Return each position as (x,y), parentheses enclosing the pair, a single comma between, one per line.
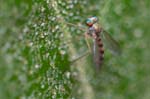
(71,24)
(88,44)
(86,53)
(77,26)
(78,58)
(72,39)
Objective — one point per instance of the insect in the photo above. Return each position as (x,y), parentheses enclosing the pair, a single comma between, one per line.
(99,36)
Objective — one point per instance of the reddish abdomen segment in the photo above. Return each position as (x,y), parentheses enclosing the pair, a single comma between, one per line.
(101,50)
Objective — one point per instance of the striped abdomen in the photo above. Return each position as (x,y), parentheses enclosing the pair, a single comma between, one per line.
(100,49)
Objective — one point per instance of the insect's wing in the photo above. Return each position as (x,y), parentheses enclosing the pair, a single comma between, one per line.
(96,55)
(110,43)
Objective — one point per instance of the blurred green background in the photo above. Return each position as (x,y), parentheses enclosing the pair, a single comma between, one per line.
(35,54)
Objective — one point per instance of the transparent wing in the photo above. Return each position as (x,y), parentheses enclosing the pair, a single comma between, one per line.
(110,43)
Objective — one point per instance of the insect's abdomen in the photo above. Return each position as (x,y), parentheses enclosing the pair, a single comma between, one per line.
(100,49)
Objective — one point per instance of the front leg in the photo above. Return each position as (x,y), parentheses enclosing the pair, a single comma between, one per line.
(87,35)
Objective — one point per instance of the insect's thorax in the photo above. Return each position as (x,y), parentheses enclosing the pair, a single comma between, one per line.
(94,30)
(97,27)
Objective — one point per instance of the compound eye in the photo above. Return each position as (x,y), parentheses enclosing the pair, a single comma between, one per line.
(89,22)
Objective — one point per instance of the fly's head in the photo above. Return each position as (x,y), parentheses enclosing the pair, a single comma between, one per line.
(90,21)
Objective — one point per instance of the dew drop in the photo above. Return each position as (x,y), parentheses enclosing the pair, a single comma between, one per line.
(75,1)
(48,79)
(67,7)
(47,1)
(49,42)
(74,73)
(42,9)
(35,25)
(45,33)
(68,75)
(30,72)
(37,66)
(23,97)
(62,52)
(47,55)
(61,35)
(43,24)
(56,87)
(64,12)
(36,33)
(73,56)
(71,6)
(31,44)
(53,18)
(39,93)
(53,97)
(57,27)
(53,30)
(70,14)
(42,86)
(42,36)
(54,57)
(63,3)
(26,29)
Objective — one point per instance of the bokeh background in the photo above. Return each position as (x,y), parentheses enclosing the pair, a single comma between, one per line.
(37,49)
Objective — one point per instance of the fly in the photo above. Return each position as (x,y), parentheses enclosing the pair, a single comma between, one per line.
(99,36)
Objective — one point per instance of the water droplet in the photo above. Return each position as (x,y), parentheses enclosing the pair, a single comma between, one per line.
(54,57)
(57,27)
(61,35)
(42,36)
(53,30)
(36,33)
(39,93)
(35,25)
(42,86)
(45,33)
(53,97)
(49,42)
(70,14)
(48,79)
(26,29)
(31,44)
(75,74)
(42,9)
(75,1)
(37,66)
(53,18)
(71,6)
(64,12)
(74,56)
(30,72)
(62,52)
(47,1)
(43,24)
(23,97)
(56,87)
(68,74)
(63,3)
(47,55)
